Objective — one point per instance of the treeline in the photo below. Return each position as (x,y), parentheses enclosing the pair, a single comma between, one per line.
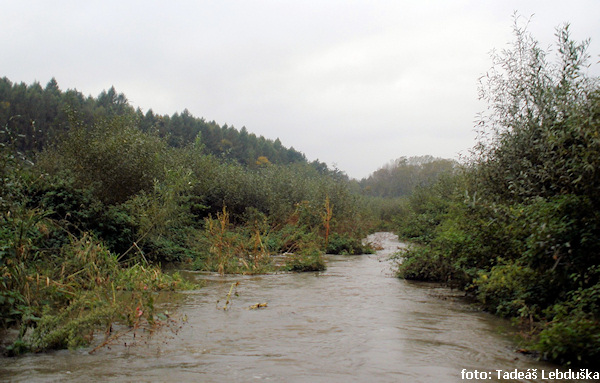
(400,177)
(94,198)
(519,225)
(39,115)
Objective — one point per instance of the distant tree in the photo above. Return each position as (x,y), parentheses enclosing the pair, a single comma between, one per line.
(113,158)
(38,116)
(262,161)
(400,176)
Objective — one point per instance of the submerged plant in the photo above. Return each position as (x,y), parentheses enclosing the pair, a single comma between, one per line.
(228,297)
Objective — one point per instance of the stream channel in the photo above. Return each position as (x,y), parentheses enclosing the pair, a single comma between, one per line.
(354,322)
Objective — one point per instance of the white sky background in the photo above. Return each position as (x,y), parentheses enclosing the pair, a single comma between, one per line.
(352,83)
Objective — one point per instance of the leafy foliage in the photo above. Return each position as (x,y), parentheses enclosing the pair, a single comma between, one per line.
(343,244)
(114,159)
(96,196)
(403,175)
(59,296)
(519,226)
(39,116)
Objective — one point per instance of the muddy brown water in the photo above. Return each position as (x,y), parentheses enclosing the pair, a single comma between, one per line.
(354,322)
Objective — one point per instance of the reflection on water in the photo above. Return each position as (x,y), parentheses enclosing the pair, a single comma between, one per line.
(354,322)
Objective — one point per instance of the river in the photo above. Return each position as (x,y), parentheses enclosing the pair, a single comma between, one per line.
(354,322)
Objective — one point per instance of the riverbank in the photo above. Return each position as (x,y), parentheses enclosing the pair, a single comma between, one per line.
(354,321)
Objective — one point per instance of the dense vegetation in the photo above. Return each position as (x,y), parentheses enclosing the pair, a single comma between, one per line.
(519,225)
(388,188)
(400,177)
(38,116)
(96,196)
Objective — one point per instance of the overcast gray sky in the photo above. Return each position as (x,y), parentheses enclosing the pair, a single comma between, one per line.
(351,83)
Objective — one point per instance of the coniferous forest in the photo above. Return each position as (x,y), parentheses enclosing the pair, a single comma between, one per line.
(97,198)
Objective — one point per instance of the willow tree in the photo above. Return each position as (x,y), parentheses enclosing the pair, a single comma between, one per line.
(537,162)
(540,135)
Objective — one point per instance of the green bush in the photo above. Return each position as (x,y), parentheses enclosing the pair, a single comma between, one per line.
(520,226)
(346,245)
(113,159)
(572,336)
(424,264)
(573,340)
(509,290)
(77,211)
(564,236)
(308,260)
